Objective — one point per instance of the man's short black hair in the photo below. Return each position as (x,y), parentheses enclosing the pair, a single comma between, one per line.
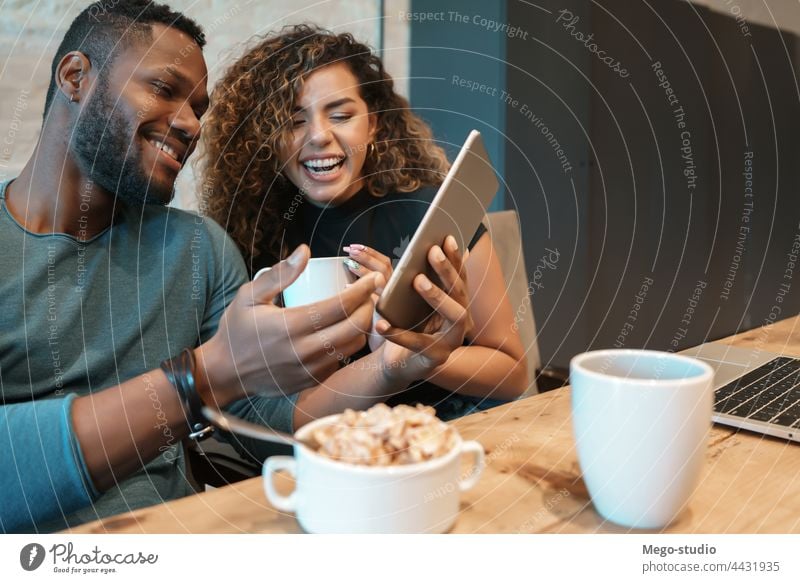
(105,28)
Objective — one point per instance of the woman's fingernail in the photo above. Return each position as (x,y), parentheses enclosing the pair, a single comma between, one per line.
(352,264)
(357,246)
(438,255)
(355,252)
(346,249)
(453,243)
(425,283)
(381,325)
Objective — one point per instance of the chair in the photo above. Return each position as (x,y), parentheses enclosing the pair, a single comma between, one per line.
(504,228)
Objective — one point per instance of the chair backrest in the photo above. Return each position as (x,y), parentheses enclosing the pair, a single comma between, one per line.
(507,240)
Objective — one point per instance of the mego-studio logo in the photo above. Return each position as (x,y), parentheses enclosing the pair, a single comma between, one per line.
(31,556)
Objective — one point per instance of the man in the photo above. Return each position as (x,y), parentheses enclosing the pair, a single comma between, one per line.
(100,282)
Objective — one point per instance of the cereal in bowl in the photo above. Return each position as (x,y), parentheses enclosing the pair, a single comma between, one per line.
(385,436)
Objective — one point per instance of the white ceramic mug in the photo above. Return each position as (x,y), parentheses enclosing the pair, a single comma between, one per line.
(323,278)
(641,421)
(336,497)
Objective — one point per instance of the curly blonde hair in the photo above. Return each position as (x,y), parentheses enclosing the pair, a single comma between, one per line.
(250,119)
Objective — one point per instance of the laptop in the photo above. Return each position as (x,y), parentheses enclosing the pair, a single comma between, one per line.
(754,389)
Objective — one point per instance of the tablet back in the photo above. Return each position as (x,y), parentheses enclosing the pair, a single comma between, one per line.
(457,210)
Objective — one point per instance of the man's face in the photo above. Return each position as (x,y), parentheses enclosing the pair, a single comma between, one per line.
(142,120)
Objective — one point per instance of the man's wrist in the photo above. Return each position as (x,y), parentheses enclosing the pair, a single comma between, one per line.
(212,390)
(180,371)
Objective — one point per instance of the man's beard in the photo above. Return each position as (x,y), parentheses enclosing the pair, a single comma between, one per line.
(109,154)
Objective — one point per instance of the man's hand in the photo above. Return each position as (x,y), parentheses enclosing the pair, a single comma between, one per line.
(262,348)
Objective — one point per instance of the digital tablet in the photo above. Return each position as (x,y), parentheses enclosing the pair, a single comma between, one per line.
(457,209)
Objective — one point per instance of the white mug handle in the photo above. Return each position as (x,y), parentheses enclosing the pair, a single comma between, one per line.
(273,465)
(479,462)
(261,272)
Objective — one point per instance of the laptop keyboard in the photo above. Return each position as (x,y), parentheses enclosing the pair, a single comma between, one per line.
(769,393)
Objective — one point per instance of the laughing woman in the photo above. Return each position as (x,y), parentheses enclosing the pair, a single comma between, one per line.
(307,142)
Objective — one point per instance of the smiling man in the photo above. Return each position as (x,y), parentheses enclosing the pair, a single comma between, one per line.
(101,284)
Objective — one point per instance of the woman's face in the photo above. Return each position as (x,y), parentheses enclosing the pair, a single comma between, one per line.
(331,133)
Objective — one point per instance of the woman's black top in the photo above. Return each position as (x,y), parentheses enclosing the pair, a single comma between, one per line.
(386,224)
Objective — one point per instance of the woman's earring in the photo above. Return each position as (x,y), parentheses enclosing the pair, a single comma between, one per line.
(373,152)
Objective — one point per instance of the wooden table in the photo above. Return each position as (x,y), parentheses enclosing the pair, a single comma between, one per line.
(532,483)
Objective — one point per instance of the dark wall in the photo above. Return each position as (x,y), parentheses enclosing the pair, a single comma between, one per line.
(670,204)
(660,241)
(631,172)
(449,52)
(549,81)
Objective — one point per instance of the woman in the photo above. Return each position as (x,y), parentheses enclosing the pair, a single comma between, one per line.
(309,143)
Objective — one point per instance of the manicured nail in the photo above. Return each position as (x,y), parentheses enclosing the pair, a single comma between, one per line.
(357,246)
(354,252)
(452,242)
(352,264)
(438,255)
(381,326)
(425,283)
(295,258)
(346,249)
